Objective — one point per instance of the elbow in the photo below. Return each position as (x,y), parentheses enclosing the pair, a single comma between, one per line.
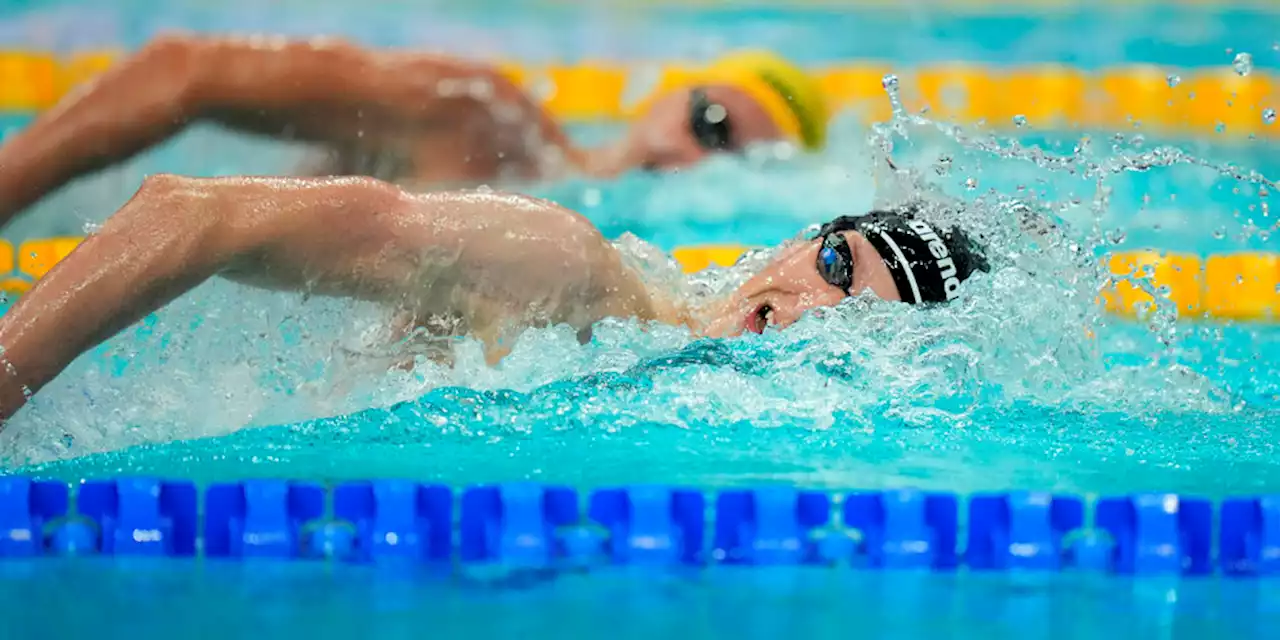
(175,63)
(180,213)
(171,45)
(174,192)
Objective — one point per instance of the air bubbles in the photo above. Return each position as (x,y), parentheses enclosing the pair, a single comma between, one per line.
(1268,116)
(971,183)
(1019,121)
(1243,64)
(1173,79)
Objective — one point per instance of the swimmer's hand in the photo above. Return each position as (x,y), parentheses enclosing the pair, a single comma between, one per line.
(493,261)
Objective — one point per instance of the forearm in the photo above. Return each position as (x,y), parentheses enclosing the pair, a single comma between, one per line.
(129,268)
(334,91)
(132,106)
(174,234)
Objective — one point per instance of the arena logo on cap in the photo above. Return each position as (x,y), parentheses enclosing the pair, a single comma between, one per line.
(942,257)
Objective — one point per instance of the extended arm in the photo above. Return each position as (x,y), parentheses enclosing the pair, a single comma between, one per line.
(175,233)
(320,91)
(489,257)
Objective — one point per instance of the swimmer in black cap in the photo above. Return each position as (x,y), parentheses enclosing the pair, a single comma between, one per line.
(483,264)
(895,255)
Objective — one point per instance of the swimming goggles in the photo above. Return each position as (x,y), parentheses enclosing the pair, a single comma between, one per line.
(835,262)
(709,122)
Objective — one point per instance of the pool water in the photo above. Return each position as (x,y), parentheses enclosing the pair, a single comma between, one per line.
(260,600)
(1022,384)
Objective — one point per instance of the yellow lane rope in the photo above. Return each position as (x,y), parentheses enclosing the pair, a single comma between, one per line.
(1208,100)
(1233,286)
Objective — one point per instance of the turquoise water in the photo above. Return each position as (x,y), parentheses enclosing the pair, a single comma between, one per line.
(1003,390)
(257,600)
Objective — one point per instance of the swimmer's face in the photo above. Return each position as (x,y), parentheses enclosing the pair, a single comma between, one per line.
(684,126)
(795,283)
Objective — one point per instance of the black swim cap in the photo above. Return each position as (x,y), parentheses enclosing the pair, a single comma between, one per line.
(928,264)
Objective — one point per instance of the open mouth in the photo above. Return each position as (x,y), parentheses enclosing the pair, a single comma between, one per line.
(762,318)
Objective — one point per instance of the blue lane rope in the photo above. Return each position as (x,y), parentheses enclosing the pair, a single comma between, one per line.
(536,526)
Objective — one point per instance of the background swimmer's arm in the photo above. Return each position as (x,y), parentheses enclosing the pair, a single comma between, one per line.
(315,91)
(355,237)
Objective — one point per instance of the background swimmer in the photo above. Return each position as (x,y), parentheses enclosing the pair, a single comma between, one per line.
(489,265)
(398,116)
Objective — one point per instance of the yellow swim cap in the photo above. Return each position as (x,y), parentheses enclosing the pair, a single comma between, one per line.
(792,97)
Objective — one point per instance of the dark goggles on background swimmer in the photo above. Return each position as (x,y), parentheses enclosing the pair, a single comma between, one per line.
(709,122)
(835,262)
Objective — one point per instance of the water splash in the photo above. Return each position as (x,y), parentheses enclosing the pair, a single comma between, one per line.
(1243,64)
(1029,337)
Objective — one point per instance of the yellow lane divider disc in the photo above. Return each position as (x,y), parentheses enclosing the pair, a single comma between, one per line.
(695,259)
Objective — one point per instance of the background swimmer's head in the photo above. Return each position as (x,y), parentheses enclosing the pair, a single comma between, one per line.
(894,254)
(741,99)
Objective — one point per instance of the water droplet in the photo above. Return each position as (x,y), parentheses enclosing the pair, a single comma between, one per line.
(1243,63)
(1263,192)
(1174,80)
(1220,127)
(481,89)
(1219,233)
(943,167)
(1269,116)
(1020,120)
(971,183)
(889,82)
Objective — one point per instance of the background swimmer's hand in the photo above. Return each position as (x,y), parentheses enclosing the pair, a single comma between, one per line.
(413,109)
